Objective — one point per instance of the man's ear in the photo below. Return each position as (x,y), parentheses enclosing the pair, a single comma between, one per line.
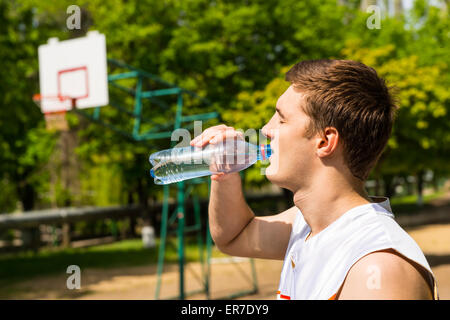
(327,142)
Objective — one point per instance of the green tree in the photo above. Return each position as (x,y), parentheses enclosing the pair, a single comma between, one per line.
(24,145)
(232,52)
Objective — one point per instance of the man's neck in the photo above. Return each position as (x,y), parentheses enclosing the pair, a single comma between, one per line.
(326,200)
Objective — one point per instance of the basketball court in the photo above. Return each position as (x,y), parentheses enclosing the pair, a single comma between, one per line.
(140,282)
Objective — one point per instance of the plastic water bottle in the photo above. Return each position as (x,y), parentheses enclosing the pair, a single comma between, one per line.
(178,164)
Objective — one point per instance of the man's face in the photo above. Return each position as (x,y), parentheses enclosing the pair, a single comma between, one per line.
(292,159)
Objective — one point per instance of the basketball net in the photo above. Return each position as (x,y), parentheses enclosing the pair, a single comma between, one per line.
(54,121)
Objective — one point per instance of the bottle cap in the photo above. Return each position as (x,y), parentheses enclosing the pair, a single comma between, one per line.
(265,151)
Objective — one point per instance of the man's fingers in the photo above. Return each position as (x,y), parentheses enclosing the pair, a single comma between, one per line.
(206,134)
(216,176)
(213,135)
(223,135)
(201,141)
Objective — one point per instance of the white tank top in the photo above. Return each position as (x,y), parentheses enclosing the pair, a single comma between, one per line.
(316,268)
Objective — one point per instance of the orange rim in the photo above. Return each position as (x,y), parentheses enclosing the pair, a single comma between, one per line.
(37,98)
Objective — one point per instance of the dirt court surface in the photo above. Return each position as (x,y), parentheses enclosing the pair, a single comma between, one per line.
(226,278)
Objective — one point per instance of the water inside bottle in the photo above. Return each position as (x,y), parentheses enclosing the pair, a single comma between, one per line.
(169,172)
(180,164)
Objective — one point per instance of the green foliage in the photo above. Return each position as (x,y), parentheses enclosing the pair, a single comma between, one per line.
(24,145)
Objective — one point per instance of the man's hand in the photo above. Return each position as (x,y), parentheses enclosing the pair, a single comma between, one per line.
(214,135)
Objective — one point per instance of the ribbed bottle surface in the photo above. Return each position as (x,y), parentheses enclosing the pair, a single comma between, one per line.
(178,164)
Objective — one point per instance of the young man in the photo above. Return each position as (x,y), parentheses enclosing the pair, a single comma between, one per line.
(328,131)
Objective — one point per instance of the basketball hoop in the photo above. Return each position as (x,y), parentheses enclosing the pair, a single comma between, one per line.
(56,120)
(72,75)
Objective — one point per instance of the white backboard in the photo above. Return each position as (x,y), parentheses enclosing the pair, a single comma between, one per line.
(73,69)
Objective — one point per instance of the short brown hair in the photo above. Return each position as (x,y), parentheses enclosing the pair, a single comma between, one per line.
(352,98)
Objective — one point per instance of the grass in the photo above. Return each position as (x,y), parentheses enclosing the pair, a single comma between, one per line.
(408,204)
(26,265)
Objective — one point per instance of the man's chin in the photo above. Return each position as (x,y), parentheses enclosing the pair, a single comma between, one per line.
(271,170)
(276,178)
(272,176)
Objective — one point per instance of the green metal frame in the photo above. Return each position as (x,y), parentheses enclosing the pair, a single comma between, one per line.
(184,187)
(179,216)
(157,131)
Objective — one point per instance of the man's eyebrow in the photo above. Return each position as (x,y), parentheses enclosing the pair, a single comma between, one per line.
(280,113)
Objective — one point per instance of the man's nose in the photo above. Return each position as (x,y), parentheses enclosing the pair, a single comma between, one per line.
(266,131)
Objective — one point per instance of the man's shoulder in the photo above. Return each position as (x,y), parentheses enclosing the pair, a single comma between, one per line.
(385,274)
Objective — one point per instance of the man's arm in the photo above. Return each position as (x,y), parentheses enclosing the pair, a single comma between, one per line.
(236,230)
(385,275)
(233,225)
